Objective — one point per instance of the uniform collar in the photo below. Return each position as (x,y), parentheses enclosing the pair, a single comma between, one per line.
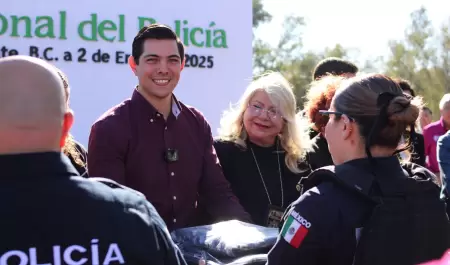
(387,169)
(36,165)
(145,105)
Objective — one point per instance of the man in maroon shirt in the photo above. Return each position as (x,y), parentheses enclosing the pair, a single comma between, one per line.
(159,146)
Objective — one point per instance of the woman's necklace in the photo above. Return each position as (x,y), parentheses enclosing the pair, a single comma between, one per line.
(279,172)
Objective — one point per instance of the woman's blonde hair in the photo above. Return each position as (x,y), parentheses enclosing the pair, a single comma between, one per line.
(293,137)
(70,147)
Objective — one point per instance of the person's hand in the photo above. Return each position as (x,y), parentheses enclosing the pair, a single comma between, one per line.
(202,262)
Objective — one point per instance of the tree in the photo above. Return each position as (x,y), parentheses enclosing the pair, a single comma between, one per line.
(336,51)
(288,49)
(371,65)
(290,58)
(287,57)
(299,73)
(445,56)
(259,14)
(423,58)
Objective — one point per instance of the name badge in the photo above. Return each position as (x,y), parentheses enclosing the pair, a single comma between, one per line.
(274,216)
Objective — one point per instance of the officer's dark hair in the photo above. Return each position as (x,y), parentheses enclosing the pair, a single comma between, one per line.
(379,107)
(333,66)
(154,31)
(405,85)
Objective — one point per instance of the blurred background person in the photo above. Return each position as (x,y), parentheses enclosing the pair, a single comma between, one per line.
(443,158)
(425,117)
(334,66)
(433,131)
(319,98)
(416,154)
(261,147)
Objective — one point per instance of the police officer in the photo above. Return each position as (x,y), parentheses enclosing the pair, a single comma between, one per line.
(327,224)
(49,214)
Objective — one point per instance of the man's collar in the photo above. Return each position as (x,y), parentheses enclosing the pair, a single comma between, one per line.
(141,101)
(176,106)
(36,165)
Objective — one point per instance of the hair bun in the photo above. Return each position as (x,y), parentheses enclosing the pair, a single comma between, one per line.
(401,109)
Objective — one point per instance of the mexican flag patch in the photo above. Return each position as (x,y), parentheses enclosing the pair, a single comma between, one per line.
(295,229)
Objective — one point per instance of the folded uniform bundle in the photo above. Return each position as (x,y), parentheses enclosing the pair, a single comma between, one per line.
(229,242)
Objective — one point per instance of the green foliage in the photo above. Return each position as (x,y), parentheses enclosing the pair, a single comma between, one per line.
(259,14)
(422,56)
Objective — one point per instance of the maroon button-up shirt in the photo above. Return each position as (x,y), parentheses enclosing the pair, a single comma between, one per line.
(129,142)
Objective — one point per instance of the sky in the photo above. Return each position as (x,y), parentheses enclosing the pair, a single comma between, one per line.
(364,25)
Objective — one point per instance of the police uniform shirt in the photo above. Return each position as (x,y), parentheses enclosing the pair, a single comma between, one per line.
(323,225)
(51,215)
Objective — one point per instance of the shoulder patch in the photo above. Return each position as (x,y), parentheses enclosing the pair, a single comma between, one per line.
(114,185)
(295,229)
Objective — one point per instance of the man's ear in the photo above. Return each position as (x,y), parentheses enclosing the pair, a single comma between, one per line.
(183,63)
(132,64)
(67,125)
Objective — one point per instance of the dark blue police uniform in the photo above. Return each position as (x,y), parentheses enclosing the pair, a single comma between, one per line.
(51,215)
(323,225)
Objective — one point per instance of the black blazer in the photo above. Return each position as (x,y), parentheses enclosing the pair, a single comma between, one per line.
(320,155)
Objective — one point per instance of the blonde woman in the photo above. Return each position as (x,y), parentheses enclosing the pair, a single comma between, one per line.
(260,146)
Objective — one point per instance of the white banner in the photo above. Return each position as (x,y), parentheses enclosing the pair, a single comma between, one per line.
(91,41)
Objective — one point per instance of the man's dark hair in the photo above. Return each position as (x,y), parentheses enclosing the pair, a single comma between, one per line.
(427,109)
(154,31)
(406,86)
(334,66)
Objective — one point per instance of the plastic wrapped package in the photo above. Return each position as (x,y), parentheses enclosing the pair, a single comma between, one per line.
(193,256)
(230,242)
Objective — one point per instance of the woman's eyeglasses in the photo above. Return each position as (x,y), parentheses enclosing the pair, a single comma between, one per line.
(337,113)
(256,110)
